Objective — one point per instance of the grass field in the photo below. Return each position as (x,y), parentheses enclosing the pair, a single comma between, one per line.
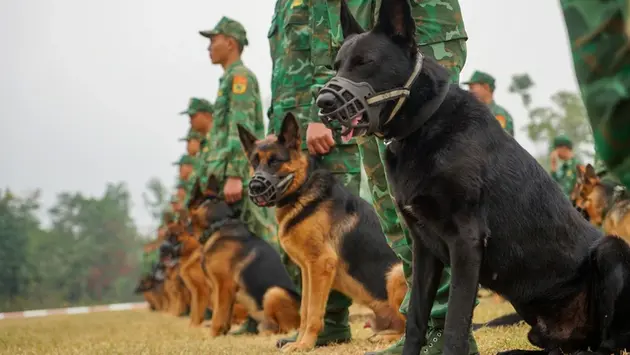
(144,332)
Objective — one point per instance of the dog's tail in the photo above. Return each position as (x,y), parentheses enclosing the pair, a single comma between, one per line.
(508,319)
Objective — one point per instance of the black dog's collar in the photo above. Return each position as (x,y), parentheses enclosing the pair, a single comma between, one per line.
(426,112)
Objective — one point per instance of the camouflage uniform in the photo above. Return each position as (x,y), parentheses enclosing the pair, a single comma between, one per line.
(441,34)
(237,102)
(565,174)
(501,114)
(598,34)
(196,105)
(299,40)
(190,181)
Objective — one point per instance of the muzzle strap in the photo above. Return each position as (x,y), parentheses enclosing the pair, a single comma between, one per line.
(406,89)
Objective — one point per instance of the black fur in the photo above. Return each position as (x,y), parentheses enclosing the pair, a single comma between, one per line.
(476,201)
(266,269)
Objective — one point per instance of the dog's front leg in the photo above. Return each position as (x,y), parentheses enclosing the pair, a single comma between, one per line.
(427,270)
(320,276)
(465,253)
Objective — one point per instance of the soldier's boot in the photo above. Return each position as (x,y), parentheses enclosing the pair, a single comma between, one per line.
(207,314)
(249,326)
(336,327)
(434,345)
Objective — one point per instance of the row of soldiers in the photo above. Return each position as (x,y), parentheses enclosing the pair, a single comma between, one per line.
(304,38)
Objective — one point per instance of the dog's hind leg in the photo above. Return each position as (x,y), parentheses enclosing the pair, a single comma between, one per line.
(427,270)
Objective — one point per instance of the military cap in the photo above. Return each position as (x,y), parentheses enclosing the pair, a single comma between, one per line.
(185,159)
(228,27)
(197,105)
(192,135)
(562,141)
(480,77)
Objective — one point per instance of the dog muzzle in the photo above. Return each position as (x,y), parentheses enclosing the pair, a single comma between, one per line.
(265,189)
(354,109)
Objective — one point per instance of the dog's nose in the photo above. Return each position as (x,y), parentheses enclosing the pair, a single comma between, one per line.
(256,187)
(325,101)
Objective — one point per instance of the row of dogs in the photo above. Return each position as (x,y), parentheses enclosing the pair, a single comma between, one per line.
(210,260)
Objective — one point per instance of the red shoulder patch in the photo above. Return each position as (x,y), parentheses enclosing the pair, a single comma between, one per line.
(239,84)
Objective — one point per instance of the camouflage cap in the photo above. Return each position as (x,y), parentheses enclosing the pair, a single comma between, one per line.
(228,27)
(185,159)
(481,78)
(562,141)
(192,135)
(197,105)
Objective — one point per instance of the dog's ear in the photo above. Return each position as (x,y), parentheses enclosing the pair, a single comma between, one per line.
(589,175)
(290,132)
(396,22)
(212,187)
(349,25)
(195,194)
(248,139)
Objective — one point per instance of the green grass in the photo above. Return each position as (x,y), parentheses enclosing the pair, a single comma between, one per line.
(144,332)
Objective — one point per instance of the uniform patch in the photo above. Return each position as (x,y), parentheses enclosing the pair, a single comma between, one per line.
(239,84)
(297,3)
(501,120)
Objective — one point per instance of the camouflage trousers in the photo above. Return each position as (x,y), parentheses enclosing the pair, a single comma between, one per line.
(452,55)
(345,164)
(598,31)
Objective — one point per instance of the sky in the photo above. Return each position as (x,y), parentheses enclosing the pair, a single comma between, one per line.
(90,91)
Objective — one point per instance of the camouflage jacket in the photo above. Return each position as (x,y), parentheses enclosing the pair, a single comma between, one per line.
(305,36)
(565,174)
(504,117)
(237,102)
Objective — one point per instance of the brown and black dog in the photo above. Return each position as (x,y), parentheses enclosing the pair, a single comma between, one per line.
(333,236)
(151,286)
(604,203)
(242,268)
(187,249)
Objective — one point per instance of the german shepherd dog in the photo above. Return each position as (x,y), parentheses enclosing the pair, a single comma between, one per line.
(151,286)
(178,295)
(604,203)
(243,268)
(333,236)
(186,249)
(475,200)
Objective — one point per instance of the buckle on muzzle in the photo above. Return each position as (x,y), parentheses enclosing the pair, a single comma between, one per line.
(265,189)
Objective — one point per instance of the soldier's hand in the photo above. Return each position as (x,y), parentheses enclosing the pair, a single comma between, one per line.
(553,160)
(233,190)
(319,138)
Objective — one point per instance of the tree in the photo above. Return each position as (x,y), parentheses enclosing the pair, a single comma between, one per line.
(566,115)
(155,198)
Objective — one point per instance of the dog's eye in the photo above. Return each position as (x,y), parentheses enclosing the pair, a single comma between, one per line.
(273,161)
(360,61)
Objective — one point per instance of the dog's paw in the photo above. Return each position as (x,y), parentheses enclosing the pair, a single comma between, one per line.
(297,347)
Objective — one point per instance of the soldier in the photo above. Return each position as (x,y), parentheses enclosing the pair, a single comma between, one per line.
(598,32)
(200,112)
(187,174)
(238,102)
(299,70)
(564,163)
(482,86)
(193,141)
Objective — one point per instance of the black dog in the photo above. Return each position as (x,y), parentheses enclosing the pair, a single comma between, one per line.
(475,200)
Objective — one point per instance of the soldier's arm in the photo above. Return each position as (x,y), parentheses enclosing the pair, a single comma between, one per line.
(241,110)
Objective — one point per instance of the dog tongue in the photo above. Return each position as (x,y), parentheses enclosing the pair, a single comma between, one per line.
(348,136)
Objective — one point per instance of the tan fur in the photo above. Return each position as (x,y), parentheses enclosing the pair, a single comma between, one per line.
(195,281)
(590,196)
(280,311)
(179,296)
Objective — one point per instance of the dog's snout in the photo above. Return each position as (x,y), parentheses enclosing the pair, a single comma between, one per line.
(326,101)
(256,187)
